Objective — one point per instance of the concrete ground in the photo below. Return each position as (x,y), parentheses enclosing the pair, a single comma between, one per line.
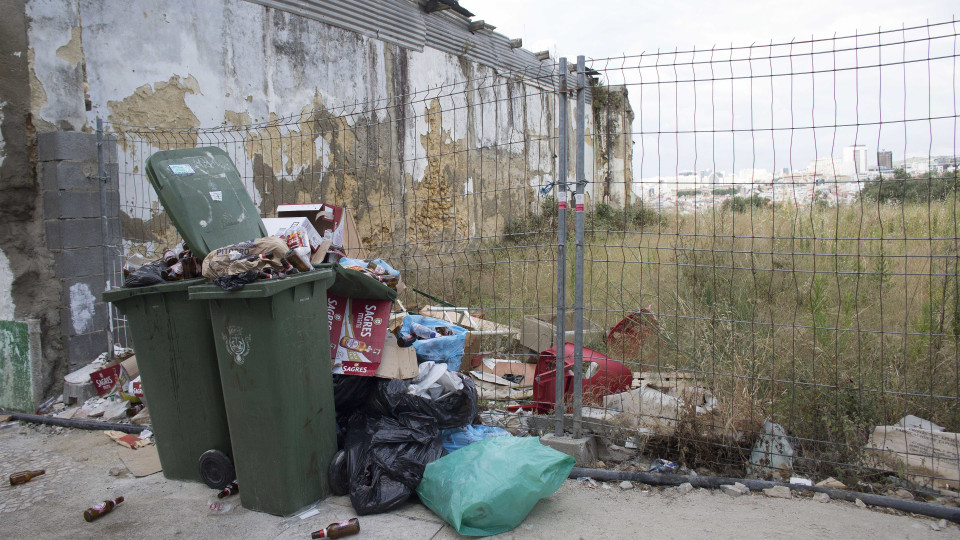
(78,465)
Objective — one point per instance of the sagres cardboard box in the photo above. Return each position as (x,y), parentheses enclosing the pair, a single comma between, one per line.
(115,376)
(358,332)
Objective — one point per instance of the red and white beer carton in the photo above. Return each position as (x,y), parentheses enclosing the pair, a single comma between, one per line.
(358,332)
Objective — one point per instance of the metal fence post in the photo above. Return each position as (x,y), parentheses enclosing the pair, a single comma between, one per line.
(578,270)
(560,340)
(104,231)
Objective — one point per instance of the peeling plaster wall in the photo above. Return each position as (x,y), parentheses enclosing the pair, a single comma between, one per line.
(454,162)
(28,289)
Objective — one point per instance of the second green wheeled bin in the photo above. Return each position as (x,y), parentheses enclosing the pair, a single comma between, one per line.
(272,341)
(177,360)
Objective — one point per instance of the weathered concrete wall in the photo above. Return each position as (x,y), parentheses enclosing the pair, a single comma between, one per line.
(451,163)
(613,117)
(27,286)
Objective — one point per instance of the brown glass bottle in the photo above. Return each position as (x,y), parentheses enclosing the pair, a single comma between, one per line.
(338,530)
(233,488)
(24,476)
(97,511)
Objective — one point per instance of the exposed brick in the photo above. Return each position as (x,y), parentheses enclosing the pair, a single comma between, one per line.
(85,348)
(80,262)
(66,145)
(51,204)
(80,233)
(54,239)
(80,204)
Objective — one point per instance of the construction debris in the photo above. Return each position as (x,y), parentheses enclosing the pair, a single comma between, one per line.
(925,451)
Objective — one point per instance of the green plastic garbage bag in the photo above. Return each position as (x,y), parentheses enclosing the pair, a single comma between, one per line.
(489,487)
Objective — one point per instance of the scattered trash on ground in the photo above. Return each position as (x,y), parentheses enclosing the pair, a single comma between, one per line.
(926,452)
(99,510)
(772,455)
(338,530)
(23,477)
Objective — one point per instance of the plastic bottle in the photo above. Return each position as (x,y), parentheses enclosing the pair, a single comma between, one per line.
(23,477)
(219,507)
(338,530)
(97,511)
(423,332)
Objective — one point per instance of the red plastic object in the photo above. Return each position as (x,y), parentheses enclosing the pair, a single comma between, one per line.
(612,377)
(627,337)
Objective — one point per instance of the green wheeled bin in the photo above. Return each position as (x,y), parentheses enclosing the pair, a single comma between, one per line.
(201,190)
(175,351)
(272,340)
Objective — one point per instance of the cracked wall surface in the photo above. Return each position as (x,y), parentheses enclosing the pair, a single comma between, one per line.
(429,149)
(27,287)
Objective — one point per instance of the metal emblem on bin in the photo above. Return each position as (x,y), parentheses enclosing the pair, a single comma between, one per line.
(238,345)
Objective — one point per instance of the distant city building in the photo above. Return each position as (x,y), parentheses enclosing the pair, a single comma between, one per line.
(885,159)
(854,160)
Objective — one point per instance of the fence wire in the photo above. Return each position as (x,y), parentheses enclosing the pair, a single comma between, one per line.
(771,237)
(786,250)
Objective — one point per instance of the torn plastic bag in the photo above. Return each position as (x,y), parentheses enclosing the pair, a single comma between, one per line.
(386,458)
(456,438)
(490,487)
(441,349)
(148,274)
(393,398)
(338,474)
(435,381)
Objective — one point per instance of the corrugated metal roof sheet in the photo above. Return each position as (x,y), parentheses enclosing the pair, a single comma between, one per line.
(403,23)
(393,21)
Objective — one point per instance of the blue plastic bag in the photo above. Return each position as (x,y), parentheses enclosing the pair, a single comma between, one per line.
(489,487)
(456,438)
(441,349)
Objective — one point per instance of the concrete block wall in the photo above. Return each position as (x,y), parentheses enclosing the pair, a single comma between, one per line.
(67,168)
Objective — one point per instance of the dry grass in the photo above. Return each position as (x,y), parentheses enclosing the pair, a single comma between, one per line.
(828,320)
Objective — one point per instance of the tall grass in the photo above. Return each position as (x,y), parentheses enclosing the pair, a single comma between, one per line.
(828,320)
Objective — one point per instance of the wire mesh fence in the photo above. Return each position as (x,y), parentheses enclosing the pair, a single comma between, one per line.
(788,247)
(770,235)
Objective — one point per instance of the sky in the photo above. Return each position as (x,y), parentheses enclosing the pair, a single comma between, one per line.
(888,107)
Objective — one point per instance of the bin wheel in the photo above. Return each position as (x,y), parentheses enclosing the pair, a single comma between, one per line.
(216,469)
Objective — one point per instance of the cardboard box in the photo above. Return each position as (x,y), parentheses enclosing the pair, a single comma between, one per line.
(397,362)
(285,226)
(538,332)
(115,376)
(327,217)
(358,333)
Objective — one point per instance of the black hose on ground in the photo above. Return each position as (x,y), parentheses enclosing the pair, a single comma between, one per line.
(72,422)
(714,482)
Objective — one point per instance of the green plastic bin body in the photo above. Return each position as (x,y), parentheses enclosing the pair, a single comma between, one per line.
(175,351)
(201,190)
(272,341)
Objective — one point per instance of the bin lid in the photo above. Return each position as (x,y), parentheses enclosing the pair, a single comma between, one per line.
(201,190)
(353,284)
(262,288)
(122,293)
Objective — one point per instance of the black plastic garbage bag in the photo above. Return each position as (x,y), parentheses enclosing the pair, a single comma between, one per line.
(455,410)
(386,458)
(235,282)
(148,274)
(351,393)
